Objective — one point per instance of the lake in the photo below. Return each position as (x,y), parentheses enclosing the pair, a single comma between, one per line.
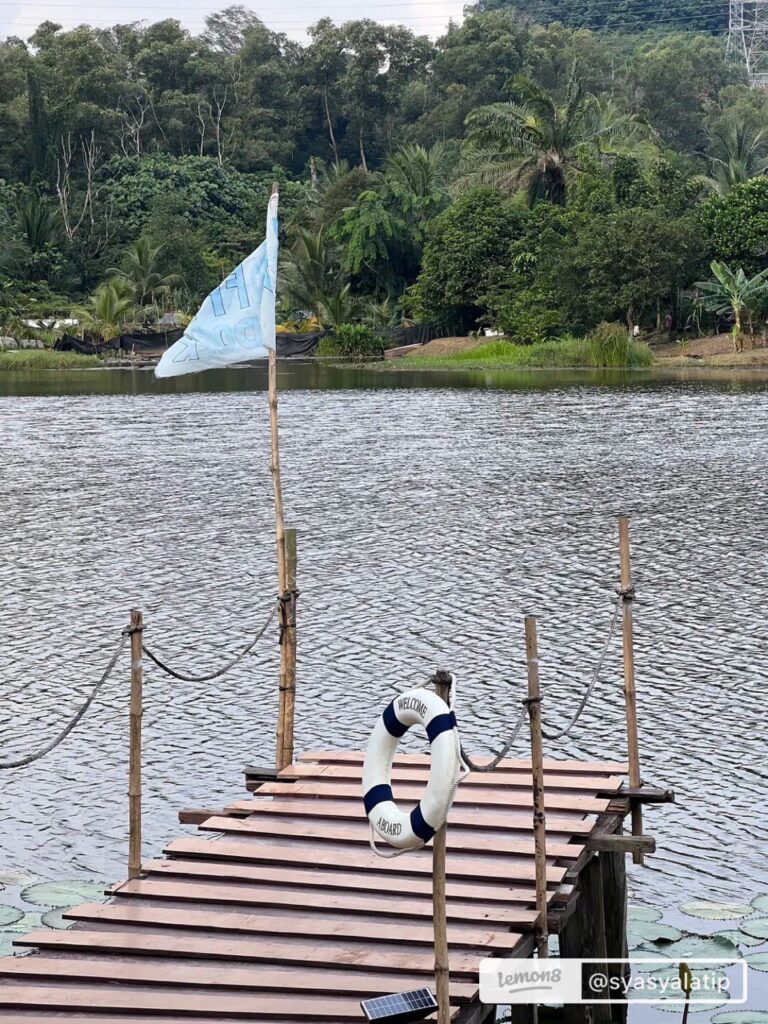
(434,511)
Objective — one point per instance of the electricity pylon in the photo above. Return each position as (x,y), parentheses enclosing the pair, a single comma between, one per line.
(748,38)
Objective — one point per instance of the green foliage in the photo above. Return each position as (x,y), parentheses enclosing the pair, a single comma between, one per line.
(625,15)
(565,352)
(45,359)
(737,225)
(141,272)
(611,345)
(732,292)
(352,341)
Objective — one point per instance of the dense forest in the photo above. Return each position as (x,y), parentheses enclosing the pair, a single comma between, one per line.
(534,178)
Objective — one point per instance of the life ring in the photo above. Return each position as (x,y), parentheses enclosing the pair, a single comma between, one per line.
(389,823)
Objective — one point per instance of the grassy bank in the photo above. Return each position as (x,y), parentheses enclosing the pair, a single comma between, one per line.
(45,359)
(565,352)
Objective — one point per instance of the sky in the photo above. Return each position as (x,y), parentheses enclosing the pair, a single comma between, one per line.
(428,17)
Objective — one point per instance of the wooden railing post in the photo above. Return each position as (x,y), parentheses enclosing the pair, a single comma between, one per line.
(537,774)
(439,913)
(630,700)
(287,703)
(134,755)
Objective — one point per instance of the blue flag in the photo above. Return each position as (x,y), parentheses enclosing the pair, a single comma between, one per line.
(237,320)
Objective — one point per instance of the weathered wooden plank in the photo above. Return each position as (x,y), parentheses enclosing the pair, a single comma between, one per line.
(622,843)
(303,927)
(505,916)
(496,869)
(499,892)
(508,764)
(505,797)
(359,834)
(244,950)
(501,819)
(172,973)
(519,779)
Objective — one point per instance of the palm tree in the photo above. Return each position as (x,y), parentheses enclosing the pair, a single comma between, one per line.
(536,141)
(736,154)
(107,311)
(312,273)
(31,232)
(417,168)
(735,294)
(141,270)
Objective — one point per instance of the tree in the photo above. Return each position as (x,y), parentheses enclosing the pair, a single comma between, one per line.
(534,142)
(141,272)
(106,312)
(732,292)
(736,153)
(311,278)
(737,225)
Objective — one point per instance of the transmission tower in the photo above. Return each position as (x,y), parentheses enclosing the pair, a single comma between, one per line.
(748,38)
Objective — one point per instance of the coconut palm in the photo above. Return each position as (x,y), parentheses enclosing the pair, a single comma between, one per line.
(141,270)
(733,293)
(736,154)
(534,141)
(108,310)
(312,273)
(417,168)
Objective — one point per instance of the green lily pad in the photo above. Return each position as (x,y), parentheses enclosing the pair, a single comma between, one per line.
(26,923)
(55,918)
(740,938)
(757,961)
(16,878)
(8,915)
(716,911)
(63,894)
(701,1008)
(6,943)
(643,932)
(741,1017)
(757,928)
(636,912)
(760,903)
(697,947)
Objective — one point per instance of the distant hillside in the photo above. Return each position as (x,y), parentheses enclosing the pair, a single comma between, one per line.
(622,15)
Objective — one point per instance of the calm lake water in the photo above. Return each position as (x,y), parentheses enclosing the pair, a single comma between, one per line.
(434,511)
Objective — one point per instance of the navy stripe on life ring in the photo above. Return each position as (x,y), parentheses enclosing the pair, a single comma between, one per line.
(439,724)
(377,795)
(420,827)
(392,723)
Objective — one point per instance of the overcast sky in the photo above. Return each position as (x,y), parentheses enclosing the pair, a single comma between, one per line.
(290,16)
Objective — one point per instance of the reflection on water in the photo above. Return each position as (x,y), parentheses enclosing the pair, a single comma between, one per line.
(434,512)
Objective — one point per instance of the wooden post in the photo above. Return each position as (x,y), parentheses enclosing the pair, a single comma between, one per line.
(134,756)
(633,747)
(583,937)
(537,773)
(287,656)
(439,916)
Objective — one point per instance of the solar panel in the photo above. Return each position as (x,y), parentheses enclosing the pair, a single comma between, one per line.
(401,1007)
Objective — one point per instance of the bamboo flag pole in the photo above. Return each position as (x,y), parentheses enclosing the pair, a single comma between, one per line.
(439,914)
(633,746)
(537,773)
(134,754)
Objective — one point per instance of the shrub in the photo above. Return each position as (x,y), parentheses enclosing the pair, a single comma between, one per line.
(611,345)
(352,341)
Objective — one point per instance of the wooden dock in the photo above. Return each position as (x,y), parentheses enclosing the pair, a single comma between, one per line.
(279,911)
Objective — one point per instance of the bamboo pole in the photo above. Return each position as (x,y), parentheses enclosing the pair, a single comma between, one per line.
(439,915)
(134,756)
(633,747)
(537,774)
(288,656)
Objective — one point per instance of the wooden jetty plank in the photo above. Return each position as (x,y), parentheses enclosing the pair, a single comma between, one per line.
(126,912)
(508,764)
(360,834)
(172,973)
(138,943)
(500,869)
(510,779)
(352,903)
(506,797)
(196,1004)
(499,892)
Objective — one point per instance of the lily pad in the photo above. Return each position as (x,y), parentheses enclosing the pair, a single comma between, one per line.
(55,918)
(16,878)
(6,943)
(740,938)
(741,1017)
(63,894)
(697,947)
(26,923)
(637,912)
(643,932)
(716,911)
(8,915)
(757,928)
(760,903)
(757,961)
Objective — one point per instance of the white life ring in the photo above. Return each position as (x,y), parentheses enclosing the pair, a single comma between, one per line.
(396,827)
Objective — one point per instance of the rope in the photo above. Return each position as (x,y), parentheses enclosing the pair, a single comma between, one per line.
(623,596)
(30,758)
(220,672)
